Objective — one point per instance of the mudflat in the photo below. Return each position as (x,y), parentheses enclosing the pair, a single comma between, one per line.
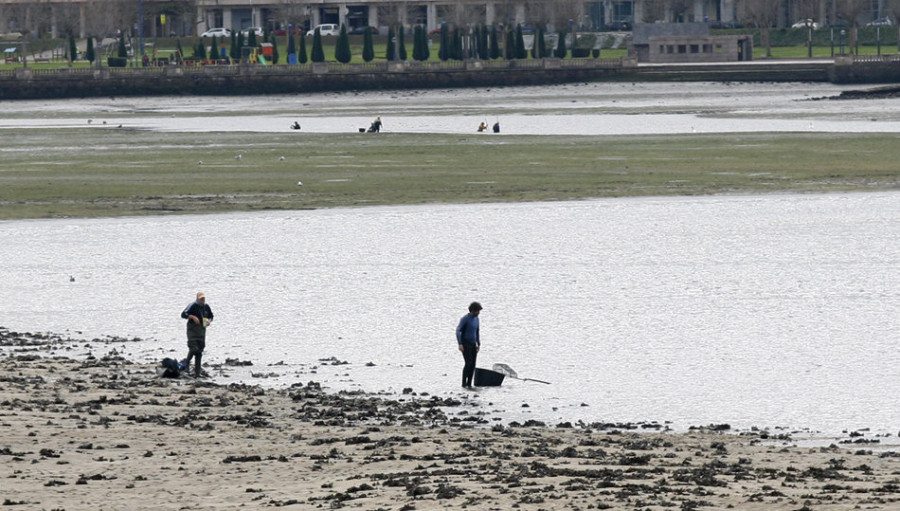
(53,173)
(106,433)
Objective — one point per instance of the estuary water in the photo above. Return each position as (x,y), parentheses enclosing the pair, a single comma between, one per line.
(769,311)
(772,311)
(574,109)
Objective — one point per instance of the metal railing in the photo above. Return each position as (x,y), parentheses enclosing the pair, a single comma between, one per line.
(875,58)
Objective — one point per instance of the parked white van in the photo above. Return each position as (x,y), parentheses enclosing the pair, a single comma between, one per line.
(326,29)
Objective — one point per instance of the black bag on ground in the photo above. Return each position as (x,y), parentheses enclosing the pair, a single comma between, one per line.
(171,368)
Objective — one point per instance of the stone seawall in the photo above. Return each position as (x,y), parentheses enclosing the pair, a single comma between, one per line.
(866,69)
(30,83)
(27,83)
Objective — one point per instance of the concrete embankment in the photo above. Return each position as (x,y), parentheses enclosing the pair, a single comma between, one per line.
(30,83)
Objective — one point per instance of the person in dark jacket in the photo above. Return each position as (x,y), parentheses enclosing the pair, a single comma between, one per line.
(198,316)
(468,338)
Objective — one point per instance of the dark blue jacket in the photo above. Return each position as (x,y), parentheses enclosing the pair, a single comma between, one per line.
(467,330)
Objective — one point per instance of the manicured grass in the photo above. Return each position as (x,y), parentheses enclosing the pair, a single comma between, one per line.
(112,172)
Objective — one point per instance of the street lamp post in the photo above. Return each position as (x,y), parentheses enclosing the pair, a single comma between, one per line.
(572,31)
(843,32)
(141,25)
(809,25)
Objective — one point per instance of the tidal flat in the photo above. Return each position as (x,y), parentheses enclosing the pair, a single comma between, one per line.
(110,171)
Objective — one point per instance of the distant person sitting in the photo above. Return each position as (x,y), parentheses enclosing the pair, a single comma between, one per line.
(295,126)
(497,127)
(482,127)
(376,125)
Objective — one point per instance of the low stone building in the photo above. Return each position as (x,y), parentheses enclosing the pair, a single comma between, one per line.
(667,43)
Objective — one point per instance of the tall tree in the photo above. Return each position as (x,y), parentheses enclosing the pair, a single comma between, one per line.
(368,52)
(342,52)
(762,14)
(213,48)
(234,50)
(852,10)
(318,53)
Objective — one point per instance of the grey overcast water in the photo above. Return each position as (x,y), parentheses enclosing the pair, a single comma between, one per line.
(774,311)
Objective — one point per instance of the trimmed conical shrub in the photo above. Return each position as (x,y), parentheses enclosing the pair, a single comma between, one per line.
(444,52)
(426,50)
(318,53)
(521,53)
(509,45)
(123,51)
(368,52)
(301,52)
(89,53)
(342,48)
(401,43)
(561,47)
(495,44)
(234,51)
(291,46)
(390,53)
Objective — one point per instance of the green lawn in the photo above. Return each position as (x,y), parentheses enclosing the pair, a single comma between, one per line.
(113,172)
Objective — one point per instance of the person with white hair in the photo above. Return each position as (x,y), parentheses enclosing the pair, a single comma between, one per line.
(199,316)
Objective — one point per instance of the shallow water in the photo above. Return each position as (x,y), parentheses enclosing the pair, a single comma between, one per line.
(577,109)
(769,311)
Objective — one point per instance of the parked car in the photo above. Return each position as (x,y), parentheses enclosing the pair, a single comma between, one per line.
(361,30)
(283,31)
(880,22)
(256,30)
(802,24)
(218,32)
(326,29)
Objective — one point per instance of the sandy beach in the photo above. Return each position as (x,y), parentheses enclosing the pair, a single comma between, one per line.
(106,433)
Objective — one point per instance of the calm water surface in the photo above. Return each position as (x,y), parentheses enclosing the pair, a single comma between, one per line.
(576,109)
(770,311)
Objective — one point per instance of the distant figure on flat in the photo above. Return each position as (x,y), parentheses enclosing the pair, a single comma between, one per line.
(295,126)
(482,127)
(376,125)
(497,127)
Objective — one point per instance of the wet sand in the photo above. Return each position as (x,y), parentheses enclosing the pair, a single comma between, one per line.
(107,433)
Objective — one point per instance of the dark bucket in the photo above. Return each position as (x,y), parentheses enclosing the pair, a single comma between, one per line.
(488,378)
